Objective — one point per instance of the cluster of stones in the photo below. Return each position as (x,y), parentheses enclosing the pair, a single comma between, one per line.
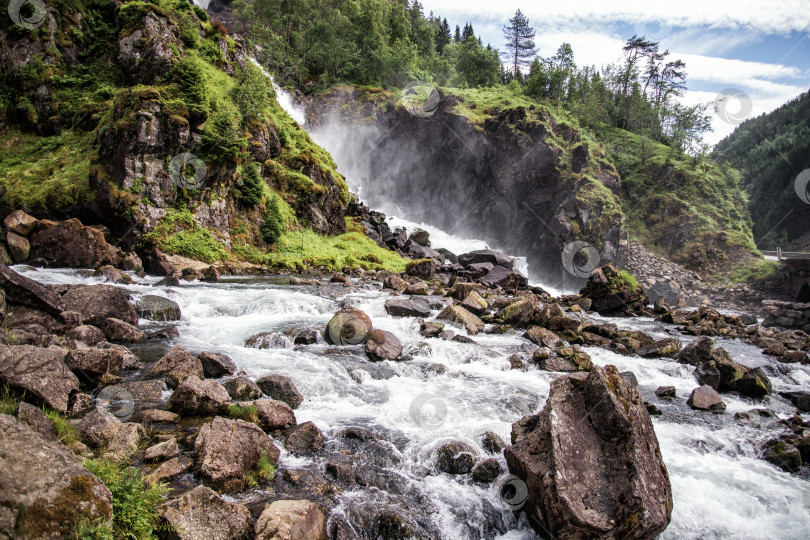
(791,315)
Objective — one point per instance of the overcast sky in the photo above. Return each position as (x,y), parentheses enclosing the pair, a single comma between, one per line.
(758,49)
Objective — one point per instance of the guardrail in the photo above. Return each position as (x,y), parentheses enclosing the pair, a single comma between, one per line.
(782,255)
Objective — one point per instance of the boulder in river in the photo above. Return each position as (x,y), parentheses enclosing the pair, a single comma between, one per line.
(97,303)
(242,389)
(707,399)
(216,365)
(199,397)
(72,244)
(303,438)
(486,256)
(27,292)
(201,513)
(591,461)
(273,415)
(614,293)
(43,487)
(349,326)
(281,388)
(177,365)
(456,457)
(293,520)
(383,345)
(157,308)
(410,307)
(460,316)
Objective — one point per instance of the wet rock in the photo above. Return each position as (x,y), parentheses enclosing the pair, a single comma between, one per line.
(281,388)
(242,389)
(475,303)
(667,348)
(707,399)
(157,308)
(177,365)
(20,222)
(168,470)
(412,307)
(291,520)
(430,329)
(44,488)
(508,279)
(383,345)
(613,295)
(27,292)
(87,334)
(799,398)
(784,455)
(201,513)
(396,283)
(420,237)
(151,416)
(70,243)
(424,268)
(211,275)
(227,450)
(456,457)
(162,451)
(492,443)
(349,326)
(168,332)
(604,478)
(754,383)
(303,438)
(112,274)
(199,397)
(487,471)
(519,312)
(794,357)
(118,331)
(99,302)
(630,377)
(37,420)
(40,373)
(169,281)
(18,246)
(306,337)
(419,288)
(698,352)
(665,392)
(460,316)
(216,365)
(543,337)
(708,375)
(273,415)
(269,340)
(486,256)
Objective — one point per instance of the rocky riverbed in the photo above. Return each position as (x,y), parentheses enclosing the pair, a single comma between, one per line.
(405,433)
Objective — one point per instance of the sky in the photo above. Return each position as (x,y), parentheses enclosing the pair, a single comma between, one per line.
(755,52)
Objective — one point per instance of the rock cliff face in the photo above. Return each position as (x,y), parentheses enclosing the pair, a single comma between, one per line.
(521,181)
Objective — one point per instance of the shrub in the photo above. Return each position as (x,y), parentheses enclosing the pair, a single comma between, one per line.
(273,226)
(251,189)
(200,13)
(136,505)
(189,74)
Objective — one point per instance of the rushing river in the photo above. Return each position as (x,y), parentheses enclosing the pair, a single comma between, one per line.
(720,487)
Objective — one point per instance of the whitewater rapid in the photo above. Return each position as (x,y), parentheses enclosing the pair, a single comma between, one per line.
(721,489)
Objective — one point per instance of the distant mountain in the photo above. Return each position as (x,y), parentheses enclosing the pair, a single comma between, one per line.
(772,150)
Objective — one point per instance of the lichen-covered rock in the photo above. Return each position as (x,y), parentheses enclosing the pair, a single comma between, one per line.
(37,420)
(668,348)
(216,365)
(177,365)
(113,439)
(282,520)
(162,451)
(456,457)
(91,363)
(543,337)
(201,513)
(86,333)
(601,478)
(40,373)
(199,397)
(303,438)
(273,415)
(18,246)
(120,331)
(227,450)
(460,316)
(242,389)
(43,488)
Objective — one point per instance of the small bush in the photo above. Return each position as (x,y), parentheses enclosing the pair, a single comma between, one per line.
(189,74)
(251,189)
(273,226)
(248,413)
(136,505)
(200,13)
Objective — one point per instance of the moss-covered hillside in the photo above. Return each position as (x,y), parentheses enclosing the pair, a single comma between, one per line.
(98,101)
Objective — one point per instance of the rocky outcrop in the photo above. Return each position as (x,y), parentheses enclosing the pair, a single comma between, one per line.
(591,461)
(43,488)
(614,293)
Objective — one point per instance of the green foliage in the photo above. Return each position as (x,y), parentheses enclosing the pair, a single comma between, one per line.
(65,432)
(264,472)
(189,74)
(200,13)
(8,402)
(178,233)
(251,187)
(251,93)
(249,413)
(136,505)
(628,280)
(273,227)
(750,272)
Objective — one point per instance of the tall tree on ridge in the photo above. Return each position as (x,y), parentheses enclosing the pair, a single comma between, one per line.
(519,35)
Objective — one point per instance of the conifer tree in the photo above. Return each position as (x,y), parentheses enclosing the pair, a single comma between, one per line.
(520,49)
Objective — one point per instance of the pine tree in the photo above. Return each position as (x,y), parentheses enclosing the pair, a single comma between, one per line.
(468,33)
(520,49)
(443,37)
(457,37)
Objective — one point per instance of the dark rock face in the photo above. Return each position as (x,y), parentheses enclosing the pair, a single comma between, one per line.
(411,307)
(216,365)
(596,469)
(611,295)
(43,488)
(72,244)
(303,438)
(27,292)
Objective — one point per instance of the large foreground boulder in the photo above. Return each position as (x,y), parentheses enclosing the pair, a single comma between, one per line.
(40,373)
(383,345)
(27,292)
(72,244)
(227,450)
(43,488)
(614,293)
(591,461)
(291,519)
(201,513)
(195,396)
